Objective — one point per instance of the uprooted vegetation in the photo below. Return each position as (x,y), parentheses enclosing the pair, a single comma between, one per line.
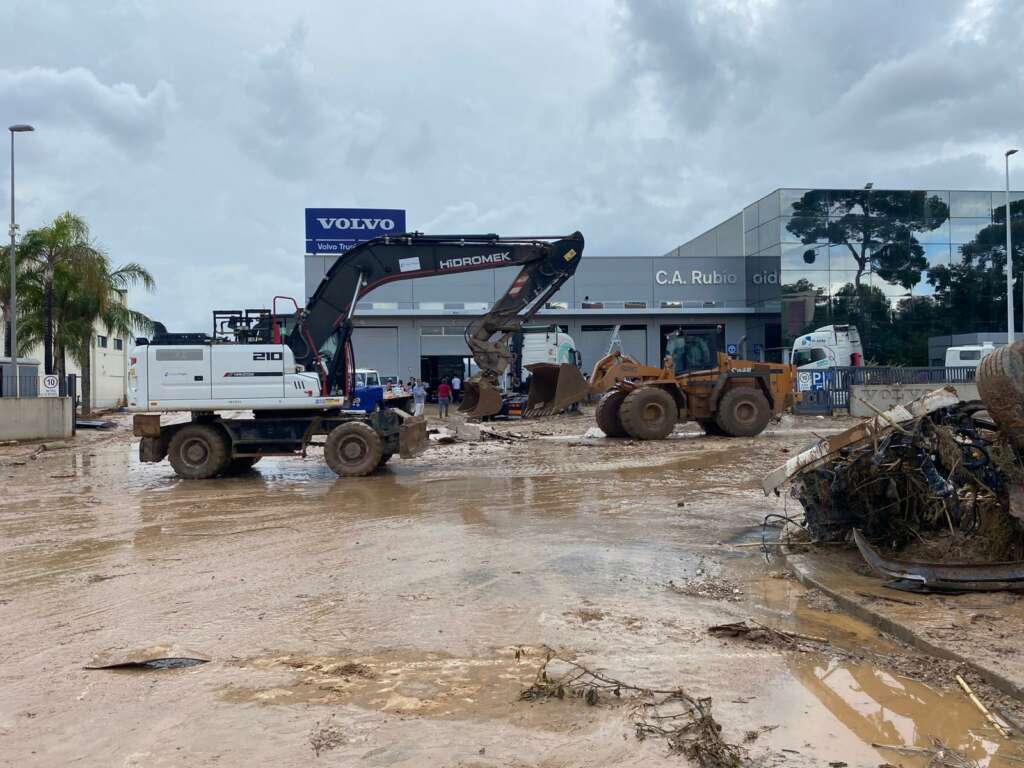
(684,721)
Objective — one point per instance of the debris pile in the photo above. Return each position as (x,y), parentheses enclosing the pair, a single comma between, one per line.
(684,721)
(937,478)
(945,470)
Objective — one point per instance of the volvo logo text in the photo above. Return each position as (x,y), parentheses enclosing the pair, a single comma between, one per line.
(384,224)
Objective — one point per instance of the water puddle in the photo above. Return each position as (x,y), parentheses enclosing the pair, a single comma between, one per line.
(865,706)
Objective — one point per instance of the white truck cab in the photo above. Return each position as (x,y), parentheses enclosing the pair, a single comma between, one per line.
(832,346)
(968,356)
(548,346)
(222,377)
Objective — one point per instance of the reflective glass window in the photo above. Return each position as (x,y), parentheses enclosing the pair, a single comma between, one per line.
(999,205)
(797,229)
(839,279)
(799,256)
(940,233)
(966,230)
(840,257)
(794,280)
(845,201)
(937,254)
(969,204)
(936,207)
(789,197)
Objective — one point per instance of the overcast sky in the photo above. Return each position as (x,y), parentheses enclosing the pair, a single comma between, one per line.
(191,135)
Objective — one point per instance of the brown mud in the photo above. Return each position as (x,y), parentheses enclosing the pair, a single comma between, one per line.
(394,619)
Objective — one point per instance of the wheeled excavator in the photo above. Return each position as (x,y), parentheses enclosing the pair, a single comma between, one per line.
(296,371)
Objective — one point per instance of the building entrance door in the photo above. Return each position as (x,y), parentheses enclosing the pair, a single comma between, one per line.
(433,368)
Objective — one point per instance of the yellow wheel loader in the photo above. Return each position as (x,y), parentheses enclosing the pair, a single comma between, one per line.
(736,398)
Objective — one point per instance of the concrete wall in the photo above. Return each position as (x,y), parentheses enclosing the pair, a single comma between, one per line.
(884,396)
(35,418)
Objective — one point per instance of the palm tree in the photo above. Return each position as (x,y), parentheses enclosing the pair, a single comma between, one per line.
(64,246)
(66,289)
(102,301)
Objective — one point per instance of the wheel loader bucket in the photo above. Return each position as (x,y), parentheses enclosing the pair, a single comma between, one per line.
(412,437)
(553,388)
(480,399)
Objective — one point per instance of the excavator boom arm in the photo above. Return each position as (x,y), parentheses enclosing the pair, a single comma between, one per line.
(326,323)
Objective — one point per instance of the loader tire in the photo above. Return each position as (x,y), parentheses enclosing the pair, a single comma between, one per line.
(1001,387)
(240,465)
(649,413)
(353,449)
(198,452)
(607,414)
(743,412)
(711,428)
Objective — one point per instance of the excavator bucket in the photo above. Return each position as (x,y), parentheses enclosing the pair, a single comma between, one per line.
(412,437)
(553,388)
(480,398)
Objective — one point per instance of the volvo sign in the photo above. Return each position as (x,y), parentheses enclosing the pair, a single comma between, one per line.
(331,231)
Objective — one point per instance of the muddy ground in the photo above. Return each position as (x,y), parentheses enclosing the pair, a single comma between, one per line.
(395,619)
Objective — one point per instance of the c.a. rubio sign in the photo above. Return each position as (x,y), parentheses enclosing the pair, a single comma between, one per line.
(334,230)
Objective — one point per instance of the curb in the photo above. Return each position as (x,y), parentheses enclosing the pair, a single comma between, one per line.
(900,631)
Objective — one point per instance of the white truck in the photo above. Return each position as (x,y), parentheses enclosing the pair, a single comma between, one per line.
(547,345)
(829,347)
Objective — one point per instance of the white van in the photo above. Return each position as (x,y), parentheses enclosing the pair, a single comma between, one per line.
(968,356)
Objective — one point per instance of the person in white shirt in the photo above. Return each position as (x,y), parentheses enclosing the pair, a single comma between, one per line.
(456,389)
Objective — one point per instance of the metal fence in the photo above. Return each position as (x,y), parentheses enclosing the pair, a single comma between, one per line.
(828,390)
(36,385)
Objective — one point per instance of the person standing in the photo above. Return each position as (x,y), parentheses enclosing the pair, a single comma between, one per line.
(456,388)
(444,397)
(419,397)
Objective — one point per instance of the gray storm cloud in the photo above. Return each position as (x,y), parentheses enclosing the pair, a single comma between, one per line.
(192,137)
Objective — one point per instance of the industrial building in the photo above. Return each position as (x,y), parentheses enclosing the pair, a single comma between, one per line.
(749,285)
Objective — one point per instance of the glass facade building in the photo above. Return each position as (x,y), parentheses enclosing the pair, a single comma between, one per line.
(833,247)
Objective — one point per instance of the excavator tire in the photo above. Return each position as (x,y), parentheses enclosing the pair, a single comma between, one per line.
(743,412)
(1001,387)
(240,465)
(711,428)
(607,414)
(649,413)
(353,449)
(198,452)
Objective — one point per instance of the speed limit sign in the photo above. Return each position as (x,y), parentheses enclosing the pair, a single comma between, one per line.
(51,386)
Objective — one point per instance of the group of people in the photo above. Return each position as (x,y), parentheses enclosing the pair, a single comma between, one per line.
(448,392)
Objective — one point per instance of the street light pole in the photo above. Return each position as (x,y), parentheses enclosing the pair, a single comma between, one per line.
(14,275)
(1009,254)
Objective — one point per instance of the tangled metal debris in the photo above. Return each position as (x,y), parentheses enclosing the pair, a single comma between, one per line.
(684,721)
(917,472)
